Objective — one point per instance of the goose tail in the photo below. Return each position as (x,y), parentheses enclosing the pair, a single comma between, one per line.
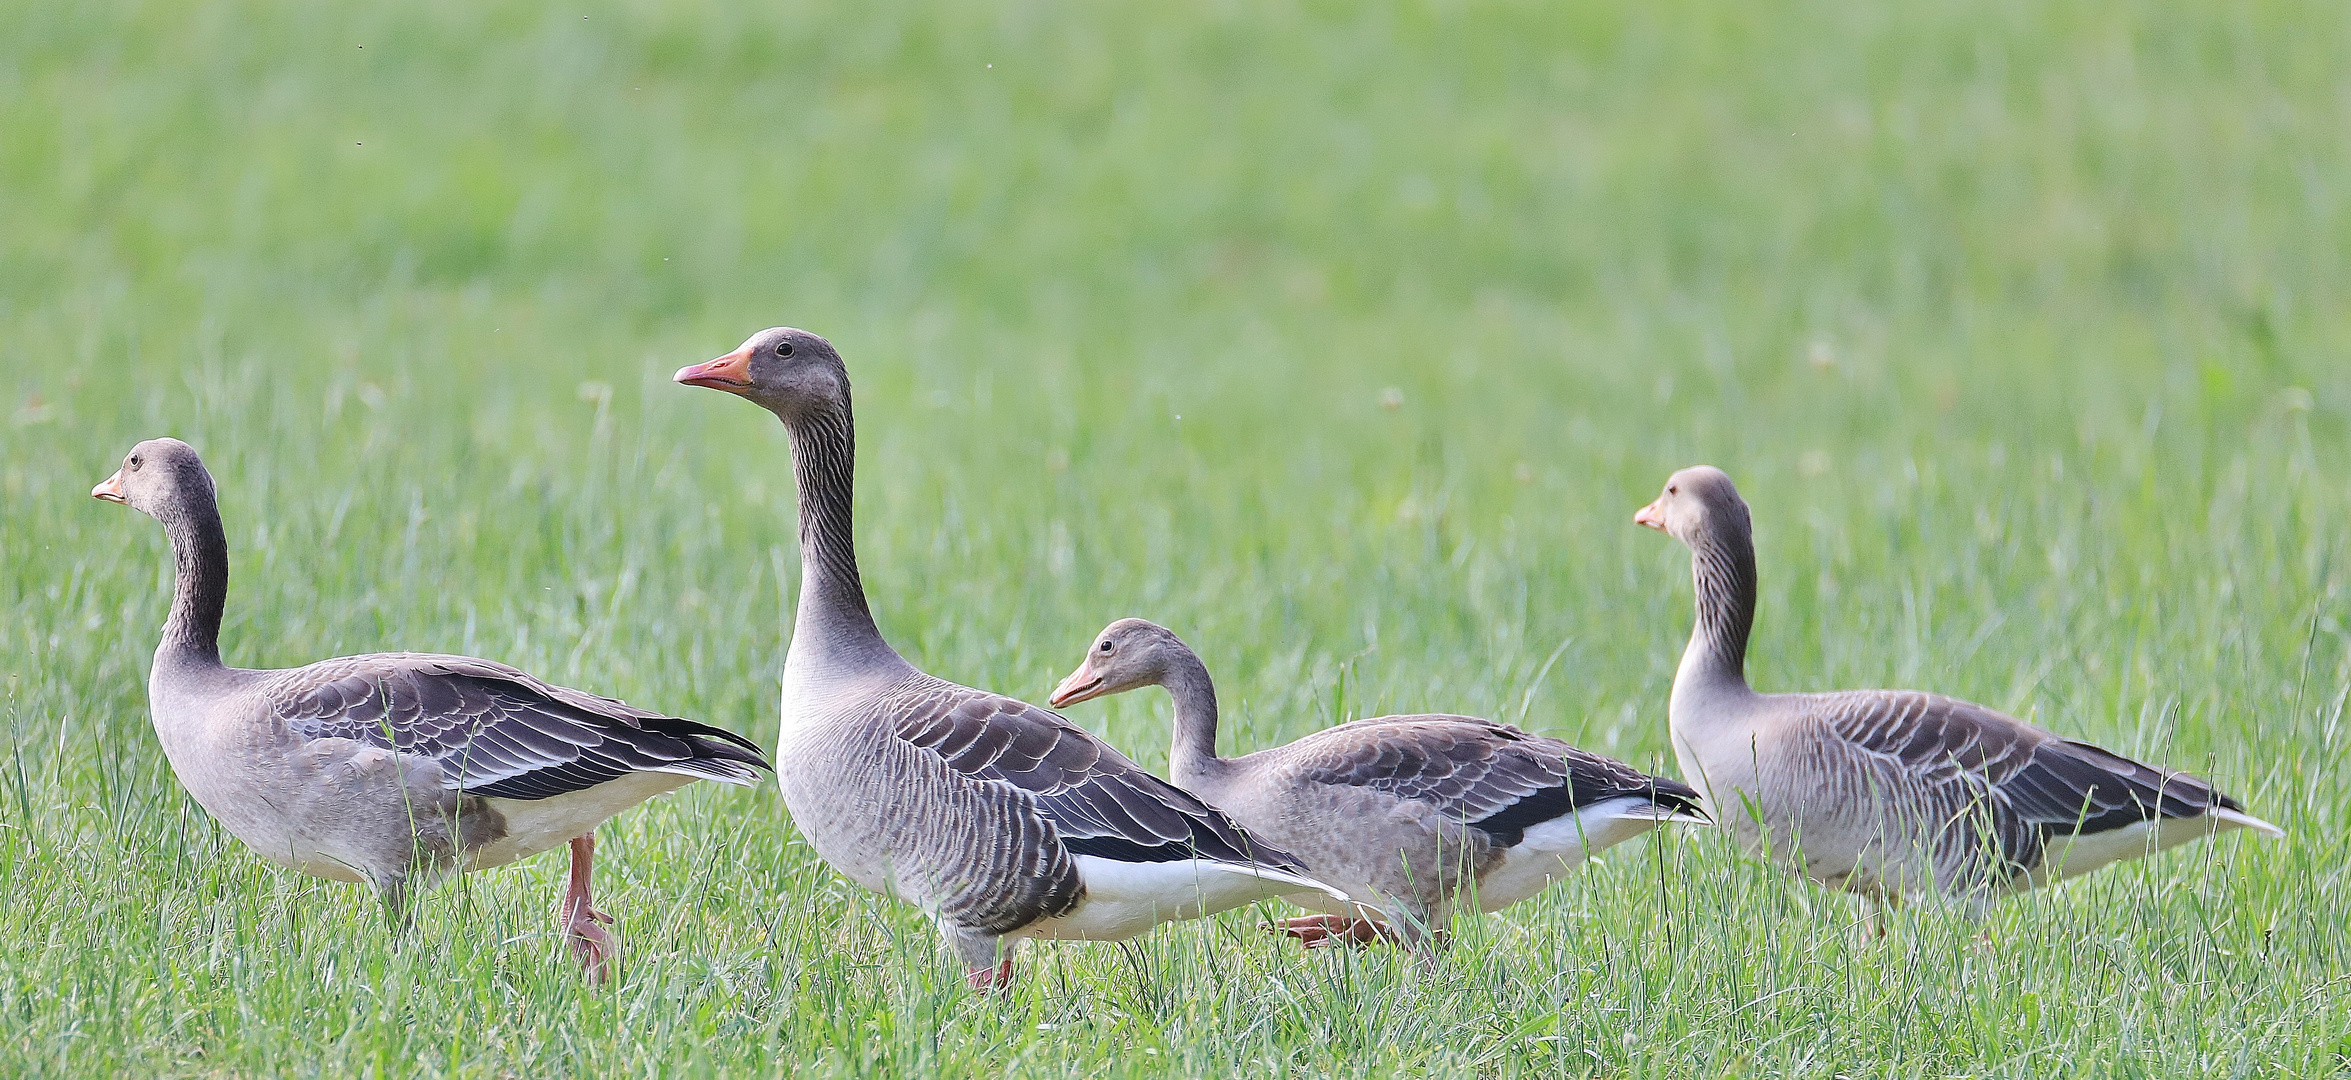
(2242,820)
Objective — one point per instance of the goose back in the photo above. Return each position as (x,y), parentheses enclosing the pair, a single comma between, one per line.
(1486,775)
(1887,792)
(1411,812)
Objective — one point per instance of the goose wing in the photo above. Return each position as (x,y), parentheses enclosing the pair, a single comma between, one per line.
(496,731)
(1493,776)
(1084,793)
(2026,785)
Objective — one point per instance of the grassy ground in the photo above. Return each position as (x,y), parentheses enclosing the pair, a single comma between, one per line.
(1343,342)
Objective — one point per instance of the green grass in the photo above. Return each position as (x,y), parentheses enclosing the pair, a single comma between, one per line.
(2024,327)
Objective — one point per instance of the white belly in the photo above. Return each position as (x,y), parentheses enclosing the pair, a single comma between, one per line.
(1124,899)
(537,825)
(2073,856)
(1555,848)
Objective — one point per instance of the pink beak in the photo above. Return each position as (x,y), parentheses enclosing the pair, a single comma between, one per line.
(110,490)
(731,373)
(1652,515)
(1082,685)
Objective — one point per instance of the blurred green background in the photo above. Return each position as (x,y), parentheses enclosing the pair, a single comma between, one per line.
(1342,341)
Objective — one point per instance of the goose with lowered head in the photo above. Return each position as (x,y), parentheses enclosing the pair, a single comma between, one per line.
(999,819)
(394,769)
(1409,815)
(1887,793)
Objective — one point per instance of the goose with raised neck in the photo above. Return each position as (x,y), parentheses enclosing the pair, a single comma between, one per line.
(1894,793)
(393,769)
(1410,816)
(1001,820)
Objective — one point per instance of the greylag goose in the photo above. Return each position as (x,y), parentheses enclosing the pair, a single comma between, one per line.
(393,769)
(1001,820)
(1889,793)
(1408,815)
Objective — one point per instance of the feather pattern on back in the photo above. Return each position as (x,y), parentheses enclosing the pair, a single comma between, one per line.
(1488,775)
(1990,791)
(496,731)
(1097,801)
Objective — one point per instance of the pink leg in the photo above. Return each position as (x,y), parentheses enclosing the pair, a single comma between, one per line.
(584,927)
(988,980)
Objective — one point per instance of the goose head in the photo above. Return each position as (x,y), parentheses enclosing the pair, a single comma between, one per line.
(157,477)
(1126,655)
(791,373)
(1697,501)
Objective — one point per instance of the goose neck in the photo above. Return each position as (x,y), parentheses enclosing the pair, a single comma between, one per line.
(1192,756)
(200,580)
(1723,569)
(832,615)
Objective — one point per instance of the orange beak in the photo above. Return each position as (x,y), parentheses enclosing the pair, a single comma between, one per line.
(1652,515)
(731,373)
(110,490)
(1082,685)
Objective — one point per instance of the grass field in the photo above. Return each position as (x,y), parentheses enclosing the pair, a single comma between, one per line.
(1343,342)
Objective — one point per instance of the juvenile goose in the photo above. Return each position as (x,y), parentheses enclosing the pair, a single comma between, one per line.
(393,769)
(999,819)
(1886,793)
(1405,814)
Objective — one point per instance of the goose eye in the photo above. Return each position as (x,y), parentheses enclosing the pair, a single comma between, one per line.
(783,348)
(134,463)
(1672,490)
(1106,646)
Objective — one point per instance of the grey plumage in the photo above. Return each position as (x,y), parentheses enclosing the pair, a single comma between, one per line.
(1000,819)
(1405,814)
(496,731)
(1491,776)
(1892,792)
(1054,791)
(393,768)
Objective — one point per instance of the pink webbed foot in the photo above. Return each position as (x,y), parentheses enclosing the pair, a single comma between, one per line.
(991,980)
(585,929)
(1332,931)
(1337,931)
(595,946)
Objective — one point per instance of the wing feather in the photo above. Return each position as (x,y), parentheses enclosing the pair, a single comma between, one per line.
(1492,776)
(2002,781)
(496,731)
(1094,799)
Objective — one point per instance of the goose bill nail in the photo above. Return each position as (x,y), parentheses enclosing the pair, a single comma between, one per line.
(730,373)
(111,489)
(1649,515)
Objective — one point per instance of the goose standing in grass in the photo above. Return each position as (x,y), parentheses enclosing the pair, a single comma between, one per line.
(1887,793)
(1408,815)
(999,819)
(393,769)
